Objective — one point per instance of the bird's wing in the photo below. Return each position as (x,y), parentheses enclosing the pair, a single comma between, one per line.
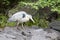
(17,16)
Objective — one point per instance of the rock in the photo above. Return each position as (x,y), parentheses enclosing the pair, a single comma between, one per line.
(6,37)
(55,25)
(1,29)
(53,33)
(39,37)
(35,27)
(11,33)
(44,35)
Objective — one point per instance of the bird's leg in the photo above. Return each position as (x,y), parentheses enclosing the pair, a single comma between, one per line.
(23,27)
(17,25)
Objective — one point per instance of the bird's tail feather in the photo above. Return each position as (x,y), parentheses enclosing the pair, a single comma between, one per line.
(11,20)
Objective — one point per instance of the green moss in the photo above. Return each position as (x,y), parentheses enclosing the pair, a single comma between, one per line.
(3,20)
(11,24)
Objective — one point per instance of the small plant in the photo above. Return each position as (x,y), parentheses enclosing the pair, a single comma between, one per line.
(11,24)
(43,23)
(3,20)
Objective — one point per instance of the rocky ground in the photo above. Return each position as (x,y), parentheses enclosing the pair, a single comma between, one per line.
(34,33)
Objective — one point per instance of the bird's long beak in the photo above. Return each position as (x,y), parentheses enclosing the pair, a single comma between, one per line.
(32,20)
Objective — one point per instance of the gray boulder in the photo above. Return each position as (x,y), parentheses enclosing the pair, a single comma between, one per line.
(11,33)
(55,25)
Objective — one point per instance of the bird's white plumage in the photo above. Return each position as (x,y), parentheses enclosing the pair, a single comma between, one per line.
(18,17)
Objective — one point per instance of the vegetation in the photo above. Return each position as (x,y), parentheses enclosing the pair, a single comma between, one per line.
(36,7)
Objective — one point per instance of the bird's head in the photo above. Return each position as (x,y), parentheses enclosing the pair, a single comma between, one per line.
(30,17)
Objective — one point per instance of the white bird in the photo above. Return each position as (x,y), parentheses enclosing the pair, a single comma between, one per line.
(21,17)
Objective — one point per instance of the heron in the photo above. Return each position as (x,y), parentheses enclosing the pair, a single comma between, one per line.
(21,17)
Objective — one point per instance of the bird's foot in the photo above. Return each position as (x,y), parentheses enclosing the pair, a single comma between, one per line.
(18,28)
